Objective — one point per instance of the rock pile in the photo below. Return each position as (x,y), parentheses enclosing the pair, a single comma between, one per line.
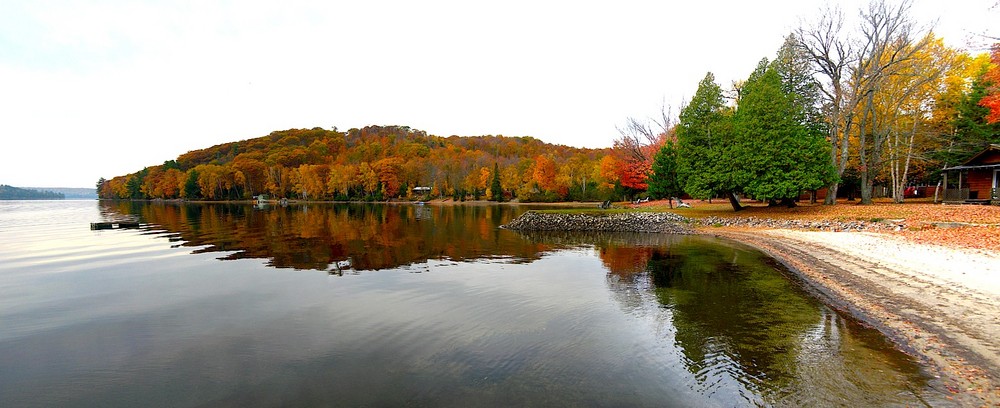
(675,224)
(823,225)
(617,222)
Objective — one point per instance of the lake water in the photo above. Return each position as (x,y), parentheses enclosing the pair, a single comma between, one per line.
(392,305)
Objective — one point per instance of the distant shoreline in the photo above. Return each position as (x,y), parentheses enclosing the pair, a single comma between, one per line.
(67,193)
(564,204)
(8,192)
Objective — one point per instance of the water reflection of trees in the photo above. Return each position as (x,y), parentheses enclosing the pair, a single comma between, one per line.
(738,317)
(730,304)
(338,236)
(624,254)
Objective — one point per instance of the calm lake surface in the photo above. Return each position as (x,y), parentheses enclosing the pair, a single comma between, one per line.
(392,305)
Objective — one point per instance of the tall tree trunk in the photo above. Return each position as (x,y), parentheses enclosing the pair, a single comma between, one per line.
(838,142)
(863,170)
(841,163)
(909,155)
(835,142)
(839,155)
(831,193)
(894,170)
(867,185)
(734,201)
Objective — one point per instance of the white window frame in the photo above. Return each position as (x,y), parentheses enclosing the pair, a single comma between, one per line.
(996,182)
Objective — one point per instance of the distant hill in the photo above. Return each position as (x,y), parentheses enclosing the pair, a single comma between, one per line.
(375,163)
(15,193)
(71,193)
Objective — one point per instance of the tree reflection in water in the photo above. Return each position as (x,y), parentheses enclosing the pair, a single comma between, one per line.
(338,238)
(731,316)
(746,329)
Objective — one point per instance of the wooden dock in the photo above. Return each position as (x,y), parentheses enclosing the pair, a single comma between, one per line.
(113,225)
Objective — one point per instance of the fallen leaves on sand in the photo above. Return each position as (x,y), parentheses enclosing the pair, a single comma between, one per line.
(925,220)
(982,238)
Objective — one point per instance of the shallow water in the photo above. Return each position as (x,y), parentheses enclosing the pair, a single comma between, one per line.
(347,305)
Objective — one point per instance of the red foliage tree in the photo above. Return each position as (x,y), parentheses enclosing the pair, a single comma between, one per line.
(637,147)
(992,99)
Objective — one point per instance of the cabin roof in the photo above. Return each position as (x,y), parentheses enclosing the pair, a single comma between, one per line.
(973,162)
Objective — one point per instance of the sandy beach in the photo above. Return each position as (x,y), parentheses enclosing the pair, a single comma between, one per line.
(938,303)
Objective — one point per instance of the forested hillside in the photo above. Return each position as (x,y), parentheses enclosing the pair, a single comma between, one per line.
(14,193)
(376,163)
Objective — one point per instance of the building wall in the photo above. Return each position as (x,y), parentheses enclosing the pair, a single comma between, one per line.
(981,181)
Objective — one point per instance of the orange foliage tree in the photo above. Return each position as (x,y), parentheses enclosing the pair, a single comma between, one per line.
(608,171)
(544,173)
(389,170)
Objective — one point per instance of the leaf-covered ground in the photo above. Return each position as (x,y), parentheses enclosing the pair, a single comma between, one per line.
(957,226)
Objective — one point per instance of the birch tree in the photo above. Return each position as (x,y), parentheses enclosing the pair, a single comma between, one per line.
(909,98)
(890,41)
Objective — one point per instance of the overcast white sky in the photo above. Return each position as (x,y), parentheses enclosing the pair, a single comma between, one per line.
(93,89)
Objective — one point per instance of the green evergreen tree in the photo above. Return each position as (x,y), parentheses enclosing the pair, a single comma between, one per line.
(664,182)
(99,186)
(134,185)
(191,189)
(972,133)
(797,81)
(495,189)
(776,153)
(702,131)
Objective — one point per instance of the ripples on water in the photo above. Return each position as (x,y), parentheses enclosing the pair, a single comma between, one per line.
(438,308)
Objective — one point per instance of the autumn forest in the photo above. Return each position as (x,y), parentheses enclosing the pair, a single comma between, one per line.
(374,163)
(841,106)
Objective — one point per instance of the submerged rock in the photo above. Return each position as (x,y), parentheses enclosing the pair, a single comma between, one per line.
(617,222)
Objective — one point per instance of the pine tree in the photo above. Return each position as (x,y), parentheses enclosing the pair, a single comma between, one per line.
(972,131)
(495,189)
(664,183)
(776,152)
(191,189)
(700,132)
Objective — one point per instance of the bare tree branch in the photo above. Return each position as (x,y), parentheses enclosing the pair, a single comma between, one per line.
(637,135)
(832,55)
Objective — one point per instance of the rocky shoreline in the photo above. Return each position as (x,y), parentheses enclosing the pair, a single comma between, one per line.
(665,222)
(660,222)
(821,225)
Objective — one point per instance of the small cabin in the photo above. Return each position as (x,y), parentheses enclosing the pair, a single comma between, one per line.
(978,179)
